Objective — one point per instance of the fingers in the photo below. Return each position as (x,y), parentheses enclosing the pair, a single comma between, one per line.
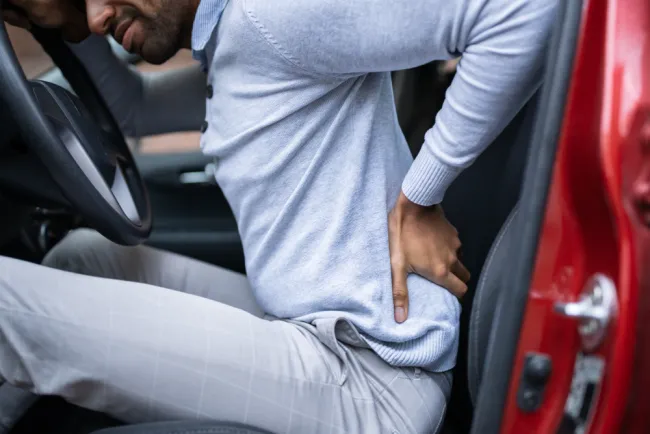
(16,19)
(69,17)
(449,273)
(446,276)
(454,285)
(400,291)
(44,13)
(460,271)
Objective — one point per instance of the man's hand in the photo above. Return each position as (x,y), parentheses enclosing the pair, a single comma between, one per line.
(423,242)
(67,15)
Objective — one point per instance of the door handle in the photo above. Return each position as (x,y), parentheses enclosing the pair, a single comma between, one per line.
(595,310)
(199,177)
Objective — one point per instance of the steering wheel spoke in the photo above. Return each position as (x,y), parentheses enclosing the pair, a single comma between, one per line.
(123,195)
(78,141)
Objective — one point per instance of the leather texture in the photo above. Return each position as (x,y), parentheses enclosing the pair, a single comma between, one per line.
(485,303)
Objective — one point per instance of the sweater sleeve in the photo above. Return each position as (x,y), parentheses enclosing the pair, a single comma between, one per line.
(144,103)
(502,43)
(499,71)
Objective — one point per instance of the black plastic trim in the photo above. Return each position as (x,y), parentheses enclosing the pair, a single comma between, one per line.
(505,334)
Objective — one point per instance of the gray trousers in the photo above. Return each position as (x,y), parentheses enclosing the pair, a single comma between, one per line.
(146,335)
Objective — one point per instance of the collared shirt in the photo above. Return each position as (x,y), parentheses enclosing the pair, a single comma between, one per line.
(205,22)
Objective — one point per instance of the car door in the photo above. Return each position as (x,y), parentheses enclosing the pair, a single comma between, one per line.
(582,338)
(191,215)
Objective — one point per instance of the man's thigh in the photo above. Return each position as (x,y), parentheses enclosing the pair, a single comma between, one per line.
(87,252)
(144,353)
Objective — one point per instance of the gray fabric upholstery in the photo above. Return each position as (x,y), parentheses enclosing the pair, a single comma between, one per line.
(485,302)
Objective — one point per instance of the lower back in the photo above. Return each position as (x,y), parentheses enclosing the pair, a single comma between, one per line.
(311,183)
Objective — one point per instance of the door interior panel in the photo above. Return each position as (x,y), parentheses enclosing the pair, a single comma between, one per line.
(191,214)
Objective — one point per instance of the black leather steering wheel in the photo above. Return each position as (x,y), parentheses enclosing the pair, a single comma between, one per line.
(77,140)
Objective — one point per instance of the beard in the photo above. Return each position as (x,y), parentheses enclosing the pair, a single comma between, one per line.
(164,30)
(159,46)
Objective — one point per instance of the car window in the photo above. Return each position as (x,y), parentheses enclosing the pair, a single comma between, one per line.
(176,142)
(29,52)
(35,62)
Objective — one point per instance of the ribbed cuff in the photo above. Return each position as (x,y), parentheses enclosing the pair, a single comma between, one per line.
(428,179)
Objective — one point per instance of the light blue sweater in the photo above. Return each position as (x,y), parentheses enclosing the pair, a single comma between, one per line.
(310,156)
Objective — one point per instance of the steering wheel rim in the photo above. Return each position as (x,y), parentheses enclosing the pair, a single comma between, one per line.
(78,141)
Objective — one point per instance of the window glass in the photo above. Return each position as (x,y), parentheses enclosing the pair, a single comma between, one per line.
(29,52)
(35,62)
(176,142)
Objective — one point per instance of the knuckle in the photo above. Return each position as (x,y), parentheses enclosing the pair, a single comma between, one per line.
(400,294)
(397,262)
(46,13)
(440,270)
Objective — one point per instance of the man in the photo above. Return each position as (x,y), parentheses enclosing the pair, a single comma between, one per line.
(301,122)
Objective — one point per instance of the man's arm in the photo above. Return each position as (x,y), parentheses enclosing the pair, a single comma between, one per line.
(144,103)
(502,43)
(499,71)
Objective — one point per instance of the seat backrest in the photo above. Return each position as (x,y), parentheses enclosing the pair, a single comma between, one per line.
(485,303)
(478,204)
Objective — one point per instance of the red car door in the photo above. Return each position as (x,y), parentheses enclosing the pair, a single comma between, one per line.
(589,302)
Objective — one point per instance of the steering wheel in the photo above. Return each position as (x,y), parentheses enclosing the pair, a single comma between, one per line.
(77,140)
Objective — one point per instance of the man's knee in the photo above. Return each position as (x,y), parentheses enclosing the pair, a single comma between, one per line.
(76,250)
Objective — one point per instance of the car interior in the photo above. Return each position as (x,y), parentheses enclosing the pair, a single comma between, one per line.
(170,201)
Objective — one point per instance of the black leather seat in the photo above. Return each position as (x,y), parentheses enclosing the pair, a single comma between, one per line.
(481,205)
(485,303)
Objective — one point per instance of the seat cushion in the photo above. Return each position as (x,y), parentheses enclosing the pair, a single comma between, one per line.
(485,302)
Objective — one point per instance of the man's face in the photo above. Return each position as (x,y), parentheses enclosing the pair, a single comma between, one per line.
(154,29)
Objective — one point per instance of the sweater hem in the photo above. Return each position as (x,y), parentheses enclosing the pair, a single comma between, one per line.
(434,352)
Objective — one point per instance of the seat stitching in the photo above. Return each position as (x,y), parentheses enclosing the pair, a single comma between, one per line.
(475,319)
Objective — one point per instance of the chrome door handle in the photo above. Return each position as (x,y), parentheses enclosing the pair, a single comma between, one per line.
(595,310)
(203,177)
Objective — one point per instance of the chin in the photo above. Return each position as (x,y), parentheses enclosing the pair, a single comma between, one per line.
(157,55)
(155,58)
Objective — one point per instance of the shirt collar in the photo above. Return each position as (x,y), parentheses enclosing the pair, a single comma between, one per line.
(206,20)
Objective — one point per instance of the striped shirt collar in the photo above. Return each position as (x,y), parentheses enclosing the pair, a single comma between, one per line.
(206,20)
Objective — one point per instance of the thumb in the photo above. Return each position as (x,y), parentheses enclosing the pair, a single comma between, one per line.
(400,292)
